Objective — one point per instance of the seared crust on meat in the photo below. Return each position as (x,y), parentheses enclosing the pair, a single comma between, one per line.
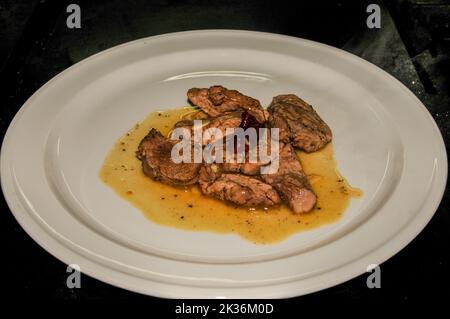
(291,182)
(298,123)
(222,122)
(239,189)
(155,153)
(218,100)
(243,168)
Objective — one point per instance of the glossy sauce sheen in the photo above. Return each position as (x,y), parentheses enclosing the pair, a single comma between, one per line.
(186,208)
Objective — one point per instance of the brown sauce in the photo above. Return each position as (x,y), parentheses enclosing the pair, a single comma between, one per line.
(188,209)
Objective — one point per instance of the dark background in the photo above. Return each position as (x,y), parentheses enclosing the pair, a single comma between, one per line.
(413,45)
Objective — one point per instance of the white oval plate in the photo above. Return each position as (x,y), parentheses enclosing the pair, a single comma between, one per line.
(385,141)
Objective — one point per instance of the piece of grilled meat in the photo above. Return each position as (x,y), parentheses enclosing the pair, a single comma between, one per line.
(299,124)
(222,122)
(291,182)
(155,153)
(239,189)
(218,100)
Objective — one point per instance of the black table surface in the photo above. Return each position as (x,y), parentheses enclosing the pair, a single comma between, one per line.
(36,45)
